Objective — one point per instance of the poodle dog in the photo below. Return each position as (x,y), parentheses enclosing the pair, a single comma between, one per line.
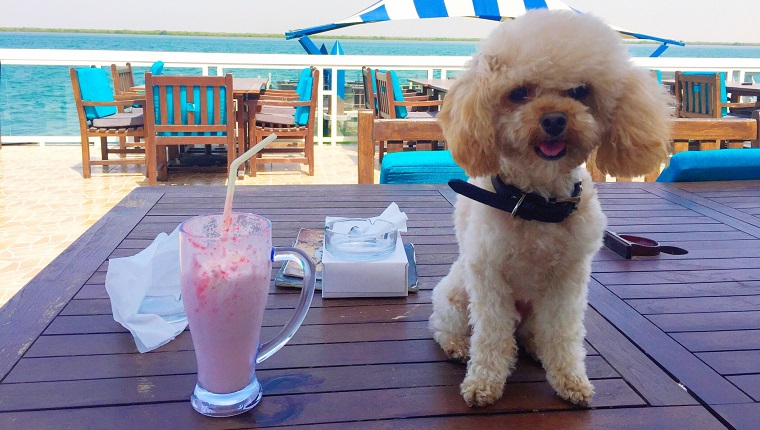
(544,94)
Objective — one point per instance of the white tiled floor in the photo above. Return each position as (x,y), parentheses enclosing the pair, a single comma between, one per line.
(45,203)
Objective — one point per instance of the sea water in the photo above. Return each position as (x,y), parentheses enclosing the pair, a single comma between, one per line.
(37,100)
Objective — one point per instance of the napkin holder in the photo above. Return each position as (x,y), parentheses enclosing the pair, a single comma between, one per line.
(347,277)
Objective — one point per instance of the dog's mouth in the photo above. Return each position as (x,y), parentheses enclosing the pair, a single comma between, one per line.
(552,149)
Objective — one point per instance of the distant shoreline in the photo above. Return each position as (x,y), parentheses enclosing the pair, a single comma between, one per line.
(214,34)
(280,36)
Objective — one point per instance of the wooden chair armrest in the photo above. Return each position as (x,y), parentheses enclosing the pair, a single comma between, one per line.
(139,97)
(286,103)
(742,105)
(415,98)
(117,103)
(421,103)
(274,92)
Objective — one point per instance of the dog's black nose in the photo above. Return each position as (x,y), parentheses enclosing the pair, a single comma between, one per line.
(554,123)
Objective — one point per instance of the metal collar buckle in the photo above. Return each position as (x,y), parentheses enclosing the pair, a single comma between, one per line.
(517,206)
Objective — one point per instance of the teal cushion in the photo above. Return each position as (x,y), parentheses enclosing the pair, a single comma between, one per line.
(658,73)
(723,95)
(716,165)
(301,116)
(305,74)
(94,86)
(374,88)
(419,167)
(157,68)
(398,95)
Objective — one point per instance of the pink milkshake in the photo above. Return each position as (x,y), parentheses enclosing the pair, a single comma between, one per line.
(224,277)
(224,295)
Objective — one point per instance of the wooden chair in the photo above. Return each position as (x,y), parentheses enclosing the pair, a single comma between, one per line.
(414,164)
(393,104)
(123,81)
(703,95)
(187,110)
(736,131)
(101,116)
(298,125)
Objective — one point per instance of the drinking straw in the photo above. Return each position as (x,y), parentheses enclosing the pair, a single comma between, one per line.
(233,176)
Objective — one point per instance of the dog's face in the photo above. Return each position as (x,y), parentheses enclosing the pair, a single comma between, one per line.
(546,91)
(544,130)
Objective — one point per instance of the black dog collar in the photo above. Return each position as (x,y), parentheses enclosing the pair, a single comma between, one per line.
(528,206)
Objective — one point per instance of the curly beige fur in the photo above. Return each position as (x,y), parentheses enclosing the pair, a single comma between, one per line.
(507,264)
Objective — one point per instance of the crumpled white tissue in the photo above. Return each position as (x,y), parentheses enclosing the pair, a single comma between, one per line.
(153,272)
(392,214)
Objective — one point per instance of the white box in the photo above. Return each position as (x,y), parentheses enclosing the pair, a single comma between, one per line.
(378,278)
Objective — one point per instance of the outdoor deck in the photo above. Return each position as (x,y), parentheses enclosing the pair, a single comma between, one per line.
(672,340)
(45,204)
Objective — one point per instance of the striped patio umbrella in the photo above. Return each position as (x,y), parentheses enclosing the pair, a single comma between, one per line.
(497,10)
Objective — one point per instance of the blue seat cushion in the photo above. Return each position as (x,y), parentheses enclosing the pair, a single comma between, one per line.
(94,87)
(716,165)
(419,167)
(301,115)
(398,95)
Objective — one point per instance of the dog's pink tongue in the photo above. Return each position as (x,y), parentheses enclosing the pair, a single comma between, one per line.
(552,148)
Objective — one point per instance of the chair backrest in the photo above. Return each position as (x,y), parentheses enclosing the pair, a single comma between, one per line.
(372,130)
(700,95)
(389,93)
(91,84)
(199,106)
(370,95)
(123,78)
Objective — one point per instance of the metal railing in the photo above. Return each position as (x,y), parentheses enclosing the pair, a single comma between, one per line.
(432,66)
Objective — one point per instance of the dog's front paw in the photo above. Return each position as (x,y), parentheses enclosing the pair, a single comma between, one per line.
(477,392)
(455,346)
(573,388)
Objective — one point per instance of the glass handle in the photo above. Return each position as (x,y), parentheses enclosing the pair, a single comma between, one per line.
(307,293)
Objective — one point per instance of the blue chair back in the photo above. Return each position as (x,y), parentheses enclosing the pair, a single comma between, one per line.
(95,87)
(384,92)
(701,94)
(304,90)
(192,101)
(157,68)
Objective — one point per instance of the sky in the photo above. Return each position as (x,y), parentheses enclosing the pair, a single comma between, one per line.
(726,21)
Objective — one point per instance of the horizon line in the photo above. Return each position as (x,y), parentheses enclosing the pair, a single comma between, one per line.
(278,35)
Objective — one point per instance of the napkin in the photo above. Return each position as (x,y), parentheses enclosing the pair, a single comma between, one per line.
(392,214)
(145,293)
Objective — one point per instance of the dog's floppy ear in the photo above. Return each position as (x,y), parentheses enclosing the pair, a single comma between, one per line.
(637,139)
(467,120)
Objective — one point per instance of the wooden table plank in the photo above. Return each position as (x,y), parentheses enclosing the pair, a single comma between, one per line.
(180,415)
(710,386)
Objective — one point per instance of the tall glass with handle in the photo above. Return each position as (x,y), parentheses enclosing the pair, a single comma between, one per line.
(225,274)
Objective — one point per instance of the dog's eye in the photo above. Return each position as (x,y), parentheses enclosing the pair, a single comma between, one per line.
(578,93)
(518,95)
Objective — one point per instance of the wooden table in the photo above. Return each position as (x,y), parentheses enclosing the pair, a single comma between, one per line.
(371,363)
(738,89)
(434,87)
